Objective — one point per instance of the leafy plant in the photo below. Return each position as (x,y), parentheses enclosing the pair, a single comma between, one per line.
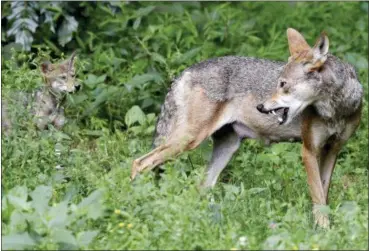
(34,223)
(24,20)
(128,53)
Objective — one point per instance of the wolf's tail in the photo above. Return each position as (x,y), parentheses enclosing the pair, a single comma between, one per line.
(167,118)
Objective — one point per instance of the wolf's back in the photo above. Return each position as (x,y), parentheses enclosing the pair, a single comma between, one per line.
(221,79)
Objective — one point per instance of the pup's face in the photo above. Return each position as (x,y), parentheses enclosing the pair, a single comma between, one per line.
(61,77)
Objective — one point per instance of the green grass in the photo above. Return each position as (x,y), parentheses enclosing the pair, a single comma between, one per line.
(261,200)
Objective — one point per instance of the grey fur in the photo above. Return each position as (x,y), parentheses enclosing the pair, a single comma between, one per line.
(227,78)
(222,78)
(165,121)
(343,94)
(44,104)
(226,143)
(315,98)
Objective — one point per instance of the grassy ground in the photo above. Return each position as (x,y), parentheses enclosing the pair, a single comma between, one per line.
(261,200)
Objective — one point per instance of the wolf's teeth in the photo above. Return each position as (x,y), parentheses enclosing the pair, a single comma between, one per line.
(274,112)
(280,119)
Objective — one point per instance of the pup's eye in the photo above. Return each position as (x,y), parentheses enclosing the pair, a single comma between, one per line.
(282,83)
(63,77)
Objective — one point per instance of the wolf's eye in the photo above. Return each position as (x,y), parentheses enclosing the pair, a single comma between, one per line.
(282,83)
(63,77)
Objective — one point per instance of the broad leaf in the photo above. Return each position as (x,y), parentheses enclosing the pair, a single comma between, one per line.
(17,241)
(63,236)
(66,30)
(18,198)
(85,238)
(40,198)
(58,215)
(135,114)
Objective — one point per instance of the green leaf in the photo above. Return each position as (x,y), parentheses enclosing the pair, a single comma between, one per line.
(40,198)
(92,199)
(92,205)
(256,190)
(102,97)
(63,236)
(68,26)
(139,80)
(18,198)
(85,238)
(4,204)
(92,80)
(158,58)
(137,22)
(58,215)
(182,58)
(62,136)
(17,241)
(144,11)
(16,219)
(135,114)
(96,211)
(77,99)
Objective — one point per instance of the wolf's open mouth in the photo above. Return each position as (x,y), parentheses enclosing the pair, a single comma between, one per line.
(281,113)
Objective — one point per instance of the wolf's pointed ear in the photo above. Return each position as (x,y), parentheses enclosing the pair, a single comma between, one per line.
(320,48)
(46,67)
(296,42)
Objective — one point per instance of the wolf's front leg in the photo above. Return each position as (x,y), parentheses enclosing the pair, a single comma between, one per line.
(310,159)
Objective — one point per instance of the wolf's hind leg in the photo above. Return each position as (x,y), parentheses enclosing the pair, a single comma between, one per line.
(195,120)
(226,143)
(164,152)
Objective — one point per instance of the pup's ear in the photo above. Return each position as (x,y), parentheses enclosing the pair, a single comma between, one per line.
(46,67)
(71,59)
(67,64)
(320,50)
(296,43)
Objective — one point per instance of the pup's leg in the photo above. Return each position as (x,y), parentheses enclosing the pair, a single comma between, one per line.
(59,120)
(225,143)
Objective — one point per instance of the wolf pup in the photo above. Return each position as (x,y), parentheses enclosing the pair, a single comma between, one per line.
(46,103)
(314,98)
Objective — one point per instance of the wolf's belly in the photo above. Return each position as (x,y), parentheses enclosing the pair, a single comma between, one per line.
(270,133)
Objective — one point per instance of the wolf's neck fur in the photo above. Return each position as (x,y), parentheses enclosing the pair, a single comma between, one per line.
(342,92)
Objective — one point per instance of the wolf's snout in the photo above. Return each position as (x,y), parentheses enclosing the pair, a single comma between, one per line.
(260,108)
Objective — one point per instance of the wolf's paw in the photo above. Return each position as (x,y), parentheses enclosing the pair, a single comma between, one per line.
(135,169)
(321,219)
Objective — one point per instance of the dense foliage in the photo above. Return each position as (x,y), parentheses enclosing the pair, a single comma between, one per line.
(70,189)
